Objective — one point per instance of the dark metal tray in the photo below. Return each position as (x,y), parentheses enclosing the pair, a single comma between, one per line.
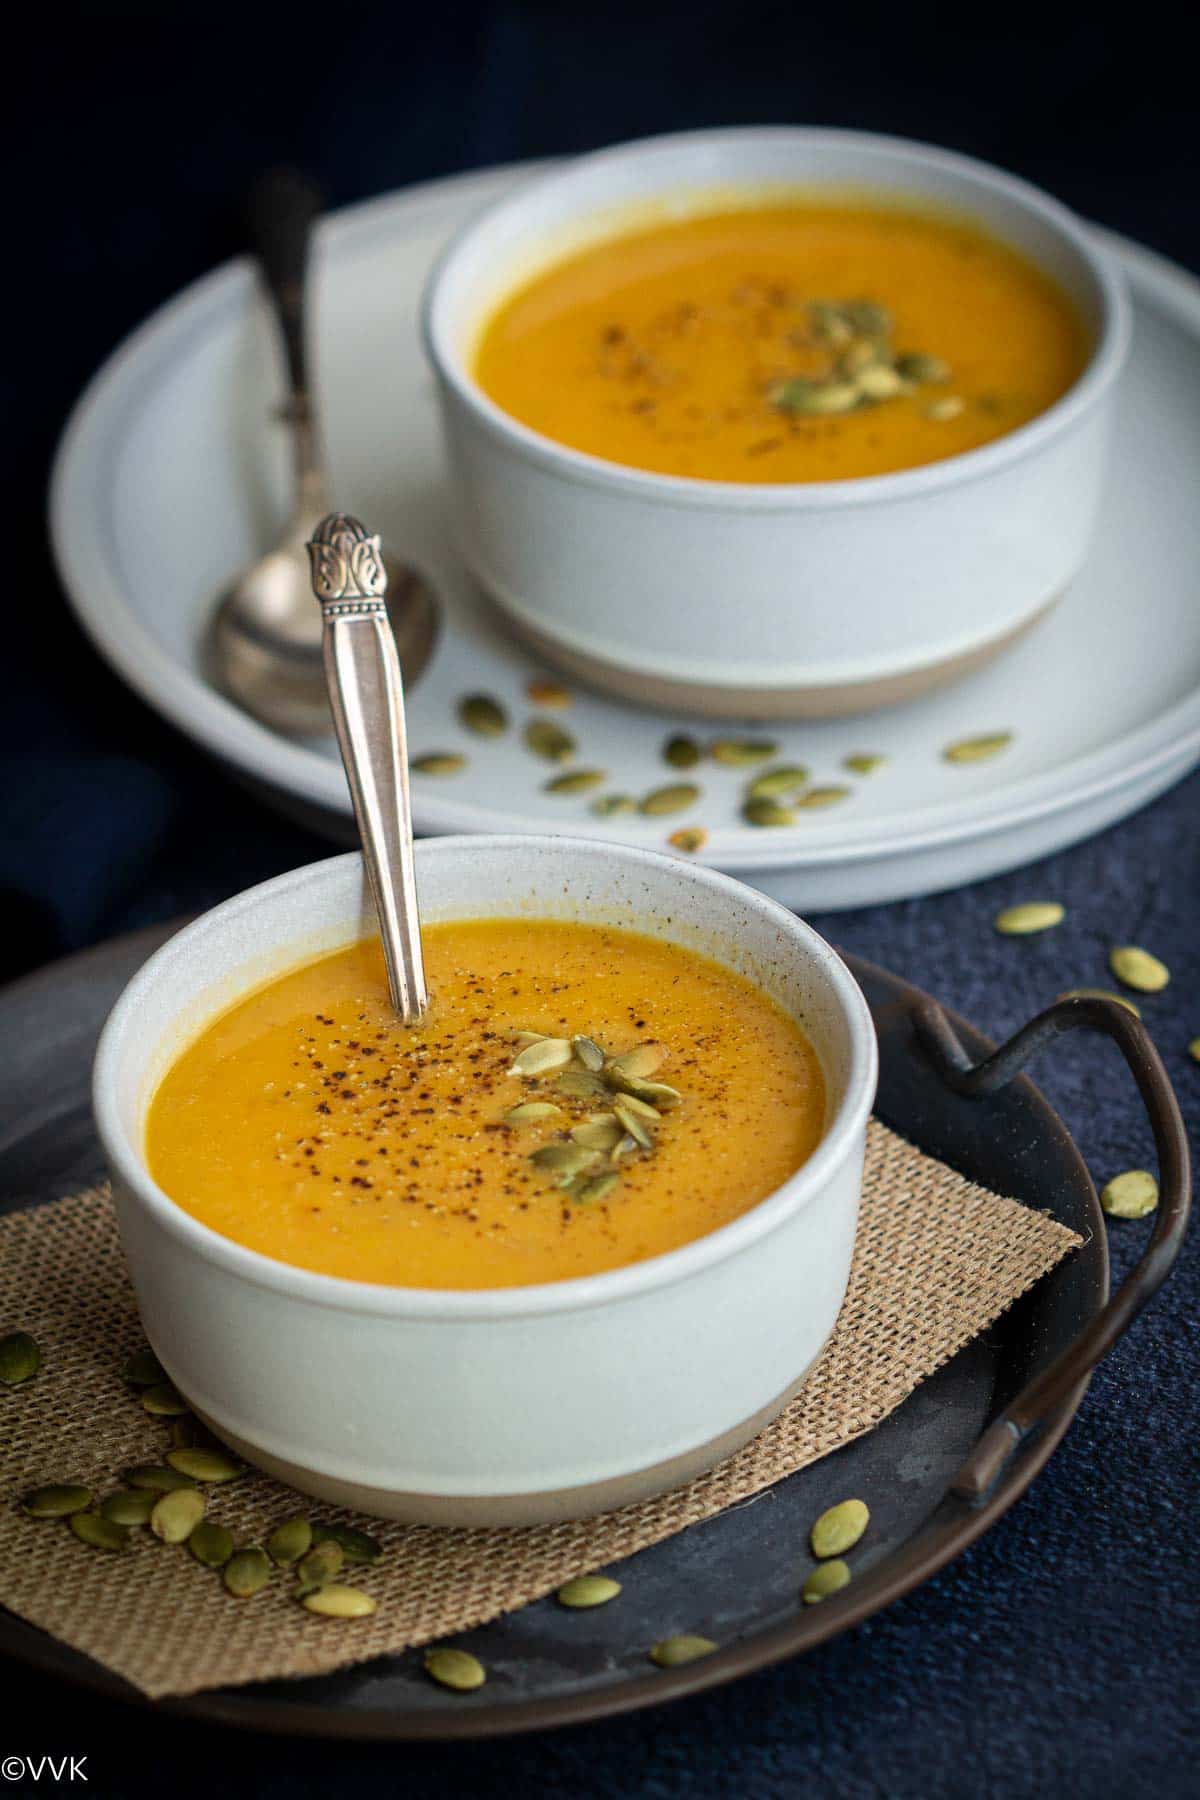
(936,1474)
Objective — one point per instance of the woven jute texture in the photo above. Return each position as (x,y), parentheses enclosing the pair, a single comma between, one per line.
(937,1259)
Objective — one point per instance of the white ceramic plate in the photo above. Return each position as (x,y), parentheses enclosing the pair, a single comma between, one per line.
(170,474)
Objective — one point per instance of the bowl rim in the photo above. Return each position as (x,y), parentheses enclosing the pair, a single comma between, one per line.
(475,1304)
(581,467)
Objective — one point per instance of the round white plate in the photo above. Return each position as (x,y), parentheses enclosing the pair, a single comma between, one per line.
(171,474)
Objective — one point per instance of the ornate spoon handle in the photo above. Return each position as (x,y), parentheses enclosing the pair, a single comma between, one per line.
(367,700)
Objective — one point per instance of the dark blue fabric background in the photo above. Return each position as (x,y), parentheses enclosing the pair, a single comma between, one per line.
(1058,1657)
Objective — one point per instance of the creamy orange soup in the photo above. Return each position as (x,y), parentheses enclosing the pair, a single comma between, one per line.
(783,343)
(309,1124)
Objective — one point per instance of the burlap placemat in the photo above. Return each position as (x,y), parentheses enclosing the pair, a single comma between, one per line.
(937,1259)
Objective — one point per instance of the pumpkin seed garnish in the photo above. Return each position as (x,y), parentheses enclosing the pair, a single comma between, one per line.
(522,1039)
(176,1515)
(601,1134)
(675,798)
(356,1546)
(587,1590)
(321,1563)
(609,805)
(205,1464)
(632,1124)
(20,1358)
(338,1602)
(157,1480)
(438,762)
(810,398)
(576,781)
(1031,916)
(689,839)
(98,1532)
(681,752)
(1138,969)
(290,1541)
(211,1544)
(915,365)
(163,1401)
(563,1160)
(635,1103)
(1193,1047)
(867,317)
(942,411)
(627,1144)
(839,1528)
(456,1669)
(880,381)
(977,749)
(639,1062)
(582,1084)
(58,1500)
(821,796)
(776,784)
(548,740)
(863,762)
(767,813)
(589,1053)
(548,693)
(530,1111)
(672,1652)
(247,1572)
(1092,993)
(131,1508)
(650,1097)
(824,1580)
(742,753)
(595,1188)
(483,715)
(144,1370)
(187,1432)
(1131,1195)
(542,1057)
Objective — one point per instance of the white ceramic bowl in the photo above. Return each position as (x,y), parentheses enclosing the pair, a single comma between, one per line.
(519,1404)
(769,600)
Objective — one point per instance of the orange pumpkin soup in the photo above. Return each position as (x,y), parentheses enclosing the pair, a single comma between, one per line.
(576,1099)
(783,343)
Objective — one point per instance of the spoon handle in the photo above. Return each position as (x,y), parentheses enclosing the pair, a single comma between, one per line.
(283,206)
(366,696)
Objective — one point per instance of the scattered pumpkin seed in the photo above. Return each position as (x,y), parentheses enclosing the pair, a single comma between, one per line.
(587,1590)
(648,1097)
(522,1039)
(639,1062)
(438,762)
(859,356)
(880,381)
(1091,993)
(863,762)
(356,1546)
(672,1652)
(58,1500)
(548,693)
(144,1370)
(828,324)
(131,1507)
(563,1160)
(1131,1195)
(158,1480)
(290,1541)
(821,796)
(681,752)
(542,1057)
(824,1580)
(1193,1047)
(20,1358)
(548,740)
(632,1124)
(247,1572)
(634,1103)
(776,784)
(1031,916)
(742,753)
(176,1515)
(531,1110)
(609,805)
(483,715)
(915,365)
(163,1401)
(601,1134)
(456,1669)
(810,398)
(1138,969)
(942,411)
(99,1533)
(689,839)
(321,1563)
(187,1433)
(211,1544)
(675,798)
(206,1464)
(338,1602)
(595,1188)
(576,781)
(627,1144)
(767,813)
(589,1053)
(582,1084)
(839,1528)
(867,317)
(977,749)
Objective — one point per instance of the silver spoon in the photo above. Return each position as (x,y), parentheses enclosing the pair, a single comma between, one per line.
(366,697)
(266,636)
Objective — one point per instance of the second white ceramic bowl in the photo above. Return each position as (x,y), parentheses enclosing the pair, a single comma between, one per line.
(514,1405)
(769,600)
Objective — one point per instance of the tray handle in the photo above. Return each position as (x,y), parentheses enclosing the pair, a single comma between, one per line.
(1049,1389)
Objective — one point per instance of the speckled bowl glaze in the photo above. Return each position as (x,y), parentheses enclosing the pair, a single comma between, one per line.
(758,600)
(514,1405)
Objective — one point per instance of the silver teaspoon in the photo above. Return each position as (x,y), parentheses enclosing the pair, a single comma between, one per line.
(366,696)
(266,636)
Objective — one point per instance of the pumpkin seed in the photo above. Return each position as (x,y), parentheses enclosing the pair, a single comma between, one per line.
(634,1103)
(632,1124)
(742,753)
(542,1057)
(438,762)
(915,365)
(355,1546)
(144,1370)
(582,1084)
(879,381)
(549,741)
(247,1572)
(609,805)
(1138,969)
(587,1590)
(839,1528)
(58,1500)
(942,411)
(814,398)
(589,1053)
(775,784)
(828,324)
(626,1145)
(576,781)
(211,1544)
(1131,1195)
(977,749)
(163,1401)
(522,1039)
(1193,1047)
(768,813)
(206,1464)
(681,752)
(595,1188)
(689,839)
(20,1358)
(157,1480)
(639,1062)
(338,1602)
(676,798)
(649,1097)
(821,796)
(456,1669)
(530,1110)
(187,1433)
(867,317)
(672,1652)
(824,1580)
(290,1541)
(1090,993)
(601,1134)
(98,1532)
(321,1563)
(859,356)
(176,1515)
(1031,916)
(132,1507)
(483,715)
(563,1160)
(548,693)
(863,762)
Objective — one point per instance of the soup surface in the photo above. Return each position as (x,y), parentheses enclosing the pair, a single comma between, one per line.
(309,1124)
(784,343)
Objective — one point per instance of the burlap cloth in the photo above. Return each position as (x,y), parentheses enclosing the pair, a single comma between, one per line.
(937,1260)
